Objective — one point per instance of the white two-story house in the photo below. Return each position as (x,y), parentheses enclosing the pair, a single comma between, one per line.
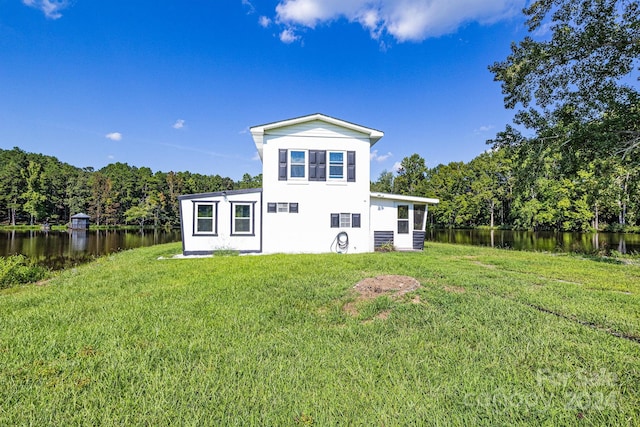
(315,198)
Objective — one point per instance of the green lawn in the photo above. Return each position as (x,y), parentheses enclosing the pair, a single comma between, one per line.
(496,337)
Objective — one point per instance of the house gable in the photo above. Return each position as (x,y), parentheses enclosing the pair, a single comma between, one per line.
(313,126)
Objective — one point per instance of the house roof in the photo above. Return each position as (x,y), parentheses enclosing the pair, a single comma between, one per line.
(258,131)
(403,198)
(80,216)
(219,193)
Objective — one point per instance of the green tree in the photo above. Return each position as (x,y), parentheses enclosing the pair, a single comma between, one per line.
(77,192)
(580,76)
(384,184)
(139,213)
(451,184)
(12,184)
(411,176)
(34,196)
(102,198)
(491,185)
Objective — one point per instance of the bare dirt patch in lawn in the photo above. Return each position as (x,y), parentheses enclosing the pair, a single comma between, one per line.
(454,289)
(373,287)
(395,285)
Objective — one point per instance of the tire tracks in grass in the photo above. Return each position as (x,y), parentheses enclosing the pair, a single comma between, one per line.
(595,326)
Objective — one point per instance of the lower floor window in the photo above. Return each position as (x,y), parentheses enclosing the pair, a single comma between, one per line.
(345,220)
(242,217)
(205,218)
(403,219)
(282,207)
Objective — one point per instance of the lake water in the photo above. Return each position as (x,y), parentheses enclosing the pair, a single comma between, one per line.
(60,249)
(541,240)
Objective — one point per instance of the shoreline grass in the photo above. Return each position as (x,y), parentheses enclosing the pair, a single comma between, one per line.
(265,340)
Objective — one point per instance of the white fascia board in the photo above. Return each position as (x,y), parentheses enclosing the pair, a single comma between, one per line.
(259,131)
(403,198)
(258,138)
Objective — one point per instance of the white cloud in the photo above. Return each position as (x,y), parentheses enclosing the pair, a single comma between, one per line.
(179,124)
(404,20)
(114,136)
(379,157)
(50,8)
(396,167)
(264,21)
(483,129)
(544,30)
(288,36)
(249,6)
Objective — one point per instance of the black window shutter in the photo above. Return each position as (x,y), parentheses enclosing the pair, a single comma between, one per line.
(282,165)
(335,220)
(322,165)
(271,207)
(351,166)
(317,165)
(355,220)
(313,165)
(293,208)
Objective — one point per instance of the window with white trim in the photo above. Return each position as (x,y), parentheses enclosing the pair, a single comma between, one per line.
(297,164)
(205,218)
(242,218)
(282,207)
(345,220)
(403,219)
(419,216)
(336,165)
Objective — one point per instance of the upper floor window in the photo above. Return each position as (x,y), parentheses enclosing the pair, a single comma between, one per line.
(336,165)
(298,164)
(311,165)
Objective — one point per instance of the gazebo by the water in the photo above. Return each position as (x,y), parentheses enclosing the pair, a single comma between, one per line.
(79,221)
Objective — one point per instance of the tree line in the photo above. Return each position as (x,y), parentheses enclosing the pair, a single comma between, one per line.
(549,188)
(36,188)
(570,160)
(522,188)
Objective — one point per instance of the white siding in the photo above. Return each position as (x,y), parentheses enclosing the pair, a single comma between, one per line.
(317,129)
(310,229)
(194,243)
(384,217)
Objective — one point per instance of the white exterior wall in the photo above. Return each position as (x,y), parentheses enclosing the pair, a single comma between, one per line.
(203,244)
(309,230)
(384,217)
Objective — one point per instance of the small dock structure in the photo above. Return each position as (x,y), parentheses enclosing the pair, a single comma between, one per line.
(79,221)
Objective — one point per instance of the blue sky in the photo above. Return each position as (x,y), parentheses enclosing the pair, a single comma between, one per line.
(176,85)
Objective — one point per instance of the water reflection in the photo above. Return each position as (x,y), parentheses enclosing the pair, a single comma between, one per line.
(60,249)
(79,240)
(540,240)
